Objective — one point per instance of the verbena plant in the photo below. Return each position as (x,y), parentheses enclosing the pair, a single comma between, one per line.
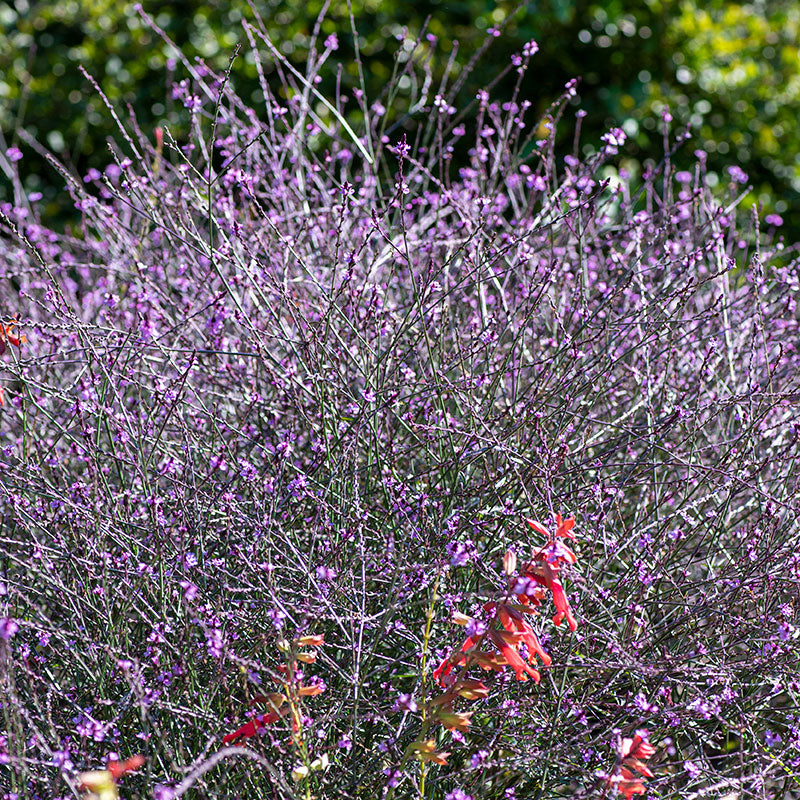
(285,403)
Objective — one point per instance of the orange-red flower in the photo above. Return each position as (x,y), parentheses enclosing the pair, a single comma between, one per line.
(527,590)
(507,643)
(513,620)
(120,768)
(507,640)
(252,728)
(632,753)
(456,660)
(7,336)
(102,783)
(563,527)
(281,703)
(547,562)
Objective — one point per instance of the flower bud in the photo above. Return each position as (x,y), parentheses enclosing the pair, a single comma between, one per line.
(300,772)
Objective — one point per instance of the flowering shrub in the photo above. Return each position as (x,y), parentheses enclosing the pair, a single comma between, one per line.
(292,380)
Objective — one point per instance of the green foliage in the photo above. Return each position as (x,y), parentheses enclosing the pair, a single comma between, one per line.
(736,82)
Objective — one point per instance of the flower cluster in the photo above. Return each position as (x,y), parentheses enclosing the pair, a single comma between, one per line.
(500,640)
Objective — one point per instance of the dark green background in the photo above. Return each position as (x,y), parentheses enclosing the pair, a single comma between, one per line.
(729,70)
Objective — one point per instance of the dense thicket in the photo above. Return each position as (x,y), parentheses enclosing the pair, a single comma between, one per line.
(290,379)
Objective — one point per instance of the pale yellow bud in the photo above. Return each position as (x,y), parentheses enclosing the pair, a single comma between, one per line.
(320,763)
(98,785)
(300,772)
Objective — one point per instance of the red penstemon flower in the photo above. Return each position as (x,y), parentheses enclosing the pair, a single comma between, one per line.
(8,336)
(282,703)
(507,628)
(498,642)
(548,560)
(118,769)
(631,754)
(102,783)
(253,727)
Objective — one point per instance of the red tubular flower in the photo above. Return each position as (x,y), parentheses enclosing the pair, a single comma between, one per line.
(545,574)
(629,786)
(7,335)
(457,660)
(118,769)
(488,661)
(538,527)
(512,620)
(548,561)
(252,727)
(637,748)
(562,606)
(564,526)
(453,721)
(508,650)
(632,753)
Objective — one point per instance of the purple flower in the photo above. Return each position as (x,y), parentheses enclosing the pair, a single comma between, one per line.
(738,175)
(613,140)
(771,738)
(277,617)
(475,628)
(479,758)
(8,627)
(62,760)
(530,48)
(13,154)
(189,590)
(692,770)
(643,704)
(405,702)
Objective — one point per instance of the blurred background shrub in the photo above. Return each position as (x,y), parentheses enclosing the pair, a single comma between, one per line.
(730,71)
